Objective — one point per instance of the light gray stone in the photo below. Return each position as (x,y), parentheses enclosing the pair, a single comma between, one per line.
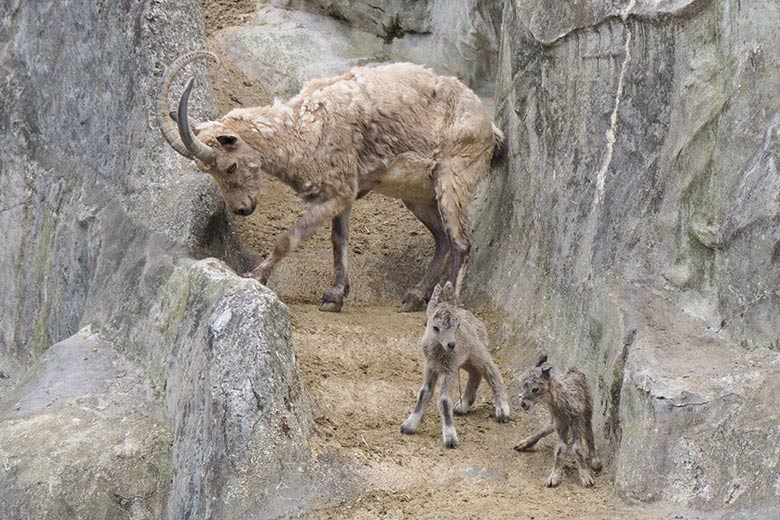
(82,437)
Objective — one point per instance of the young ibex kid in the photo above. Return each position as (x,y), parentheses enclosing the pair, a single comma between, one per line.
(454,339)
(571,407)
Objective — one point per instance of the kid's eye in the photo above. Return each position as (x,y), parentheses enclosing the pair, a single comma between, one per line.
(232,168)
(435,328)
(535,390)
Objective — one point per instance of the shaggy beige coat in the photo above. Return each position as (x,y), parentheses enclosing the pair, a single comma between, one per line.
(398,129)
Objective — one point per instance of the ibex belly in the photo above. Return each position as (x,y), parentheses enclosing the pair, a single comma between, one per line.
(409,177)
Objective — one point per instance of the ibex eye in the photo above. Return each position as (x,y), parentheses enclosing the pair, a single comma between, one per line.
(436,329)
(232,168)
(535,390)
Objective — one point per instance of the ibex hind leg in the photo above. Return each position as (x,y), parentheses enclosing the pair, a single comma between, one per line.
(593,457)
(470,393)
(496,383)
(454,186)
(415,298)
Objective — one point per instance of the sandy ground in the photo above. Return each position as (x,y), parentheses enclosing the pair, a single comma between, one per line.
(363,367)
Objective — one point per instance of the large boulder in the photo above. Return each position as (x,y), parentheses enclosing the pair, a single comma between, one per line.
(282,49)
(634,232)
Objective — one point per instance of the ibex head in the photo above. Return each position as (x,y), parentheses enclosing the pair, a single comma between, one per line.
(214,146)
(533,384)
(443,321)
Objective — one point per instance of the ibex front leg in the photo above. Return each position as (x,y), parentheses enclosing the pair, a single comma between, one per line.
(315,216)
(411,424)
(449,435)
(333,298)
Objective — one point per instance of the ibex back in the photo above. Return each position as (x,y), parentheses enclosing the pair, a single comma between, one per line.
(398,129)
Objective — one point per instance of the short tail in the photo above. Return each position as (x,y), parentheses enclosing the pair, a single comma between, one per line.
(499,147)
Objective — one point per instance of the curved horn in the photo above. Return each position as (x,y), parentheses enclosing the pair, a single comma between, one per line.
(167,126)
(201,151)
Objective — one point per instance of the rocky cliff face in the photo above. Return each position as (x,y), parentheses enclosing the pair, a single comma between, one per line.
(635,231)
(180,398)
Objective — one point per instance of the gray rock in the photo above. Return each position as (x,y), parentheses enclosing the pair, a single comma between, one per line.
(634,231)
(81,437)
(239,417)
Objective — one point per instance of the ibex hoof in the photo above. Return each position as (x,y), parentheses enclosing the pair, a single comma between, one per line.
(451,441)
(408,427)
(525,446)
(412,303)
(586,480)
(553,481)
(331,306)
(460,409)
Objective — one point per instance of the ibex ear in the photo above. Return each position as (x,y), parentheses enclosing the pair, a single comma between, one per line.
(448,293)
(546,370)
(434,301)
(542,360)
(227,140)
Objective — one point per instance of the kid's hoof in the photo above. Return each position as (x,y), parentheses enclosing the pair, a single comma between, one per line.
(460,409)
(553,481)
(407,428)
(502,413)
(587,480)
(412,303)
(331,306)
(595,465)
(450,437)
(524,446)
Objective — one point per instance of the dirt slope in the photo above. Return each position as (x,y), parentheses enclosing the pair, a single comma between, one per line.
(363,368)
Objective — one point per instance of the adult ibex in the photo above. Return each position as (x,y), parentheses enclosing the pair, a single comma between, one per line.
(397,129)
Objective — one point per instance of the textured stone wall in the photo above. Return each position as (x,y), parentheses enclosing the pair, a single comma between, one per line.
(634,231)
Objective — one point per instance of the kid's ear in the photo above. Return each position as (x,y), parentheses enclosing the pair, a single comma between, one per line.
(448,293)
(542,360)
(546,370)
(227,140)
(434,301)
